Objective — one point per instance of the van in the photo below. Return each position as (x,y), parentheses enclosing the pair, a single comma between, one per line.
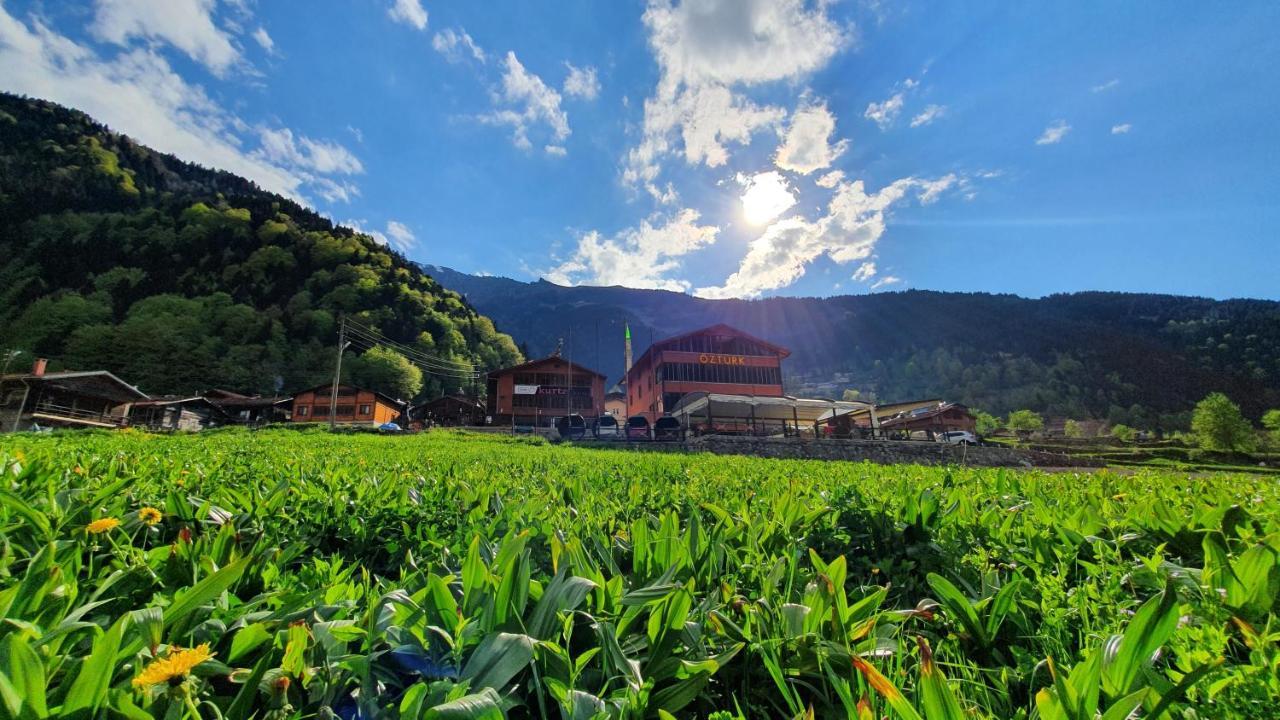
(607,428)
(571,427)
(668,429)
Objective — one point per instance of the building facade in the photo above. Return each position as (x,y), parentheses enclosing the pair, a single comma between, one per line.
(716,359)
(67,399)
(356,406)
(539,391)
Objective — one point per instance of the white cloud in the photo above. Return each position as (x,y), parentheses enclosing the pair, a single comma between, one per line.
(455,45)
(707,48)
(334,190)
(401,236)
(1121,129)
(886,280)
(642,257)
(138,93)
(1108,85)
(807,145)
(854,222)
(321,156)
(260,35)
(409,12)
(556,150)
(397,234)
(766,197)
(534,103)
(1053,134)
(581,82)
(930,113)
(187,25)
(831,179)
(865,272)
(885,112)
(931,190)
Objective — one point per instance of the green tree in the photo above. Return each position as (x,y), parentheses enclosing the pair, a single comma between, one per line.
(986,422)
(387,372)
(1218,425)
(1123,432)
(1271,421)
(1072,429)
(851,395)
(1025,422)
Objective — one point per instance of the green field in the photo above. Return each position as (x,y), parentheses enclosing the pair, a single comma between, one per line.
(451,576)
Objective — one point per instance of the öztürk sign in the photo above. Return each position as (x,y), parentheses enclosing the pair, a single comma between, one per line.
(713,359)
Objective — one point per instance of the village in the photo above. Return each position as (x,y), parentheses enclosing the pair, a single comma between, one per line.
(713,381)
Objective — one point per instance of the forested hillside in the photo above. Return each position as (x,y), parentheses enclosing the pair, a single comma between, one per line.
(179,278)
(1143,360)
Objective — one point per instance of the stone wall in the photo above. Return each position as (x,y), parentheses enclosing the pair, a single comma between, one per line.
(878,451)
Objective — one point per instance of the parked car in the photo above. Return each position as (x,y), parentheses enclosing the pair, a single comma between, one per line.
(958,437)
(607,428)
(390,428)
(668,429)
(638,428)
(571,427)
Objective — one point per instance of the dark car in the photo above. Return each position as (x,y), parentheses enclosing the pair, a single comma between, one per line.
(638,428)
(571,427)
(668,429)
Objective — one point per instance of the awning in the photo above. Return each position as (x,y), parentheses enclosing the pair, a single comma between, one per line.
(694,407)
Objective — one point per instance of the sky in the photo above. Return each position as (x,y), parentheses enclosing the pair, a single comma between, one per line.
(725,148)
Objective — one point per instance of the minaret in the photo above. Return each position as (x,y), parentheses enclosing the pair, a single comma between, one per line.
(627,357)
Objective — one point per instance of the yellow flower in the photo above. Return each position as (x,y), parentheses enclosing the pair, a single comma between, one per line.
(174,666)
(149,516)
(102,525)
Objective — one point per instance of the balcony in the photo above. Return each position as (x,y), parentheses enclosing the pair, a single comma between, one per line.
(50,412)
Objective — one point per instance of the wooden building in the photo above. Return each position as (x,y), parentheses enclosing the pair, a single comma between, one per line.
(188,414)
(717,359)
(537,392)
(252,410)
(356,406)
(65,399)
(449,411)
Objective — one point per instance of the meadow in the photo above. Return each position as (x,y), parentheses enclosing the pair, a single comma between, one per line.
(287,574)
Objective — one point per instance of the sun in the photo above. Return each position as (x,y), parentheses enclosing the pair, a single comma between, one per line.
(766,197)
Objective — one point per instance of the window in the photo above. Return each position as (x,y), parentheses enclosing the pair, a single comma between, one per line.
(366,409)
(344,409)
(303,410)
(321,411)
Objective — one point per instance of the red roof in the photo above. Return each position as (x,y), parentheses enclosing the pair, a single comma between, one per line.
(543,361)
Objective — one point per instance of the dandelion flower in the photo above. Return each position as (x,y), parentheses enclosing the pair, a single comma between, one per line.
(102,525)
(174,666)
(149,516)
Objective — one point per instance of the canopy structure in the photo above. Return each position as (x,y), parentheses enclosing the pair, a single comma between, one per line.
(716,412)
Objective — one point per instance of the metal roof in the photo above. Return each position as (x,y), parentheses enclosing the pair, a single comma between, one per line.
(694,406)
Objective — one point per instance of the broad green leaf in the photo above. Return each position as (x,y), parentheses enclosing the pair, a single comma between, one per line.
(498,659)
(22,681)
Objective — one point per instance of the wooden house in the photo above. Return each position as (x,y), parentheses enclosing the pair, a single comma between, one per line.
(66,399)
(355,406)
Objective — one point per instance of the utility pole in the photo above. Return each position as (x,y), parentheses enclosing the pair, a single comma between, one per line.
(337,375)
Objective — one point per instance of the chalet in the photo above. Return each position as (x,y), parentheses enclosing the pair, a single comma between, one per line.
(176,413)
(250,410)
(450,411)
(536,392)
(355,406)
(66,399)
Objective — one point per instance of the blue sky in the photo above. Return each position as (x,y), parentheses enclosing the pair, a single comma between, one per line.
(729,148)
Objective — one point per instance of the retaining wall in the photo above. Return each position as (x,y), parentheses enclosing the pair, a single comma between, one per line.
(886,452)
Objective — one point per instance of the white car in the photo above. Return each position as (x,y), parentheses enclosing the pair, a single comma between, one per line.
(958,437)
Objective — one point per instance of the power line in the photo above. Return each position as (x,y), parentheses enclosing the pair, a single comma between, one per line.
(367,339)
(436,362)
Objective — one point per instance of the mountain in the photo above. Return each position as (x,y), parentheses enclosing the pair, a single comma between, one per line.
(1144,360)
(180,278)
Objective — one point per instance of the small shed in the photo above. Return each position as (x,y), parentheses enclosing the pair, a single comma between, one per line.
(704,413)
(250,410)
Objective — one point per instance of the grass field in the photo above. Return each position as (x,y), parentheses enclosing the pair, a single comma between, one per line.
(286,574)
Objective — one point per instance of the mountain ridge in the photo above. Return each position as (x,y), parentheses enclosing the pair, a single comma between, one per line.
(1139,358)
